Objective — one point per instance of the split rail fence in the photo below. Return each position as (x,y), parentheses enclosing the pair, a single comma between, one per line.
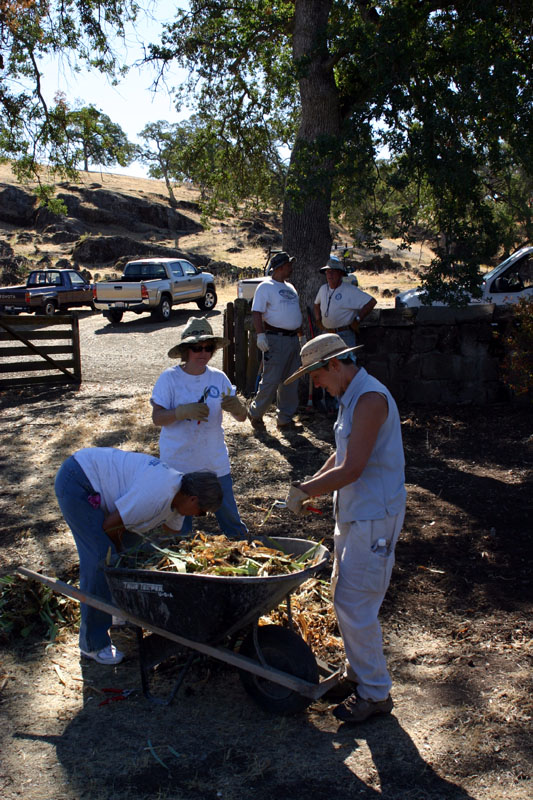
(32,350)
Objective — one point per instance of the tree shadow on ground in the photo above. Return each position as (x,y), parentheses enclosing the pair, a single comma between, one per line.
(145,324)
(211,745)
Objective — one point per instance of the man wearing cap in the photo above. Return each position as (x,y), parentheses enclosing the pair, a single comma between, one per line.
(366,475)
(277,320)
(340,307)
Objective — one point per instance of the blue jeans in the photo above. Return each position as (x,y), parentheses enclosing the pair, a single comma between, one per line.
(86,523)
(227,515)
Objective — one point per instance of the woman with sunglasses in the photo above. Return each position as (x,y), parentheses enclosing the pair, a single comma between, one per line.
(188,400)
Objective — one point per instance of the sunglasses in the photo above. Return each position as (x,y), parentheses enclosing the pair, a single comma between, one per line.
(197,348)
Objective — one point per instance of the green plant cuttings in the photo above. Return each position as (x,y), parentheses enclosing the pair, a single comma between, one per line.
(218,555)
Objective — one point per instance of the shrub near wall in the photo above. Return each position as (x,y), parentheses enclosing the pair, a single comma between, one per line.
(437,355)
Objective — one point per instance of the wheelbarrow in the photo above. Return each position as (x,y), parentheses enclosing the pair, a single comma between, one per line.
(203,613)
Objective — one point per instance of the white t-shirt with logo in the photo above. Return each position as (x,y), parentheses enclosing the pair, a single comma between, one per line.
(339,306)
(140,487)
(278,302)
(190,445)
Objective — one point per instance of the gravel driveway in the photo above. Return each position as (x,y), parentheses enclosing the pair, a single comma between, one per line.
(135,351)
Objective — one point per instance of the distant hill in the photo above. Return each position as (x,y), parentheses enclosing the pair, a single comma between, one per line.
(112,217)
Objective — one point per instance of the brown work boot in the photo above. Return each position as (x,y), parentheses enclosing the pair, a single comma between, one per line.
(256,422)
(291,425)
(356,709)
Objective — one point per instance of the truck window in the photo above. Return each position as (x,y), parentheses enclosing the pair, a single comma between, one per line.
(52,278)
(177,271)
(75,279)
(144,271)
(188,268)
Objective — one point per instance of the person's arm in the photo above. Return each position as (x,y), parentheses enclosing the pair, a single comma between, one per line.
(257,319)
(361,313)
(367,308)
(166,416)
(162,416)
(369,415)
(114,528)
(318,316)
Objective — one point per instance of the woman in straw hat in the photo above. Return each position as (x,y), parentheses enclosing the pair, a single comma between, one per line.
(188,400)
(366,474)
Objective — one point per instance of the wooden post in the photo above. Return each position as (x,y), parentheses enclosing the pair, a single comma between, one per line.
(76,347)
(241,343)
(228,354)
(253,361)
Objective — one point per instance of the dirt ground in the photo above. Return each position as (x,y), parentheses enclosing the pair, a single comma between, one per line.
(456,620)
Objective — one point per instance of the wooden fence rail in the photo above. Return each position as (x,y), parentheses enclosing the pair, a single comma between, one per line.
(25,337)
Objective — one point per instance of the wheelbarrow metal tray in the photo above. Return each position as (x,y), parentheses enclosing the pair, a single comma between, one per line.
(207,608)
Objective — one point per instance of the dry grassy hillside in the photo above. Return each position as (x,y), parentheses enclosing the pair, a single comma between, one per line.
(240,242)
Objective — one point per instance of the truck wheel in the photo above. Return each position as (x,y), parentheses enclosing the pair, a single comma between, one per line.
(163,310)
(209,300)
(113,316)
(282,649)
(49,308)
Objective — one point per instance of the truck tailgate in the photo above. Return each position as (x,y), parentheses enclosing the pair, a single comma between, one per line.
(118,292)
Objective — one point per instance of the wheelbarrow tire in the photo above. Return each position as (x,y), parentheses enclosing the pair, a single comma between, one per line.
(285,650)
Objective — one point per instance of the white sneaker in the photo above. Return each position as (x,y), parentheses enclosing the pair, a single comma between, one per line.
(109,655)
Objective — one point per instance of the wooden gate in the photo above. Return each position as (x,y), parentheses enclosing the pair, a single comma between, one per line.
(24,337)
(240,359)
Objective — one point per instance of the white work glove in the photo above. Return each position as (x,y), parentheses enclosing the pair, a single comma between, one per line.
(296,499)
(231,403)
(191,411)
(262,342)
(302,340)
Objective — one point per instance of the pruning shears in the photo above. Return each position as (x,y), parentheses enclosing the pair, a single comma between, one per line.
(116,695)
(205,393)
(283,504)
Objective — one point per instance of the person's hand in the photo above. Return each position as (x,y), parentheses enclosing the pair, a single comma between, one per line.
(302,340)
(355,324)
(231,403)
(296,500)
(262,342)
(197,411)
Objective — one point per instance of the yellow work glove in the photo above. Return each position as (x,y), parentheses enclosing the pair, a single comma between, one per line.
(191,411)
(231,403)
(296,500)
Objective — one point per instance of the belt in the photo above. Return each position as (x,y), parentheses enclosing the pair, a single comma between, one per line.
(338,330)
(279,331)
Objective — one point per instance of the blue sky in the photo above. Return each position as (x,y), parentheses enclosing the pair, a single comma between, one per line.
(131,104)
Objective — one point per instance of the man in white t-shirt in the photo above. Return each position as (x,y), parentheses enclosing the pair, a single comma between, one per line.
(277,321)
(103,492)
(341,306)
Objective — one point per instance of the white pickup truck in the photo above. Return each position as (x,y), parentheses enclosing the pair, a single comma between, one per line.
(155,285)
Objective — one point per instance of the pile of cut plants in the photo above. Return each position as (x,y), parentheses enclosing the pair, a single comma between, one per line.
(218,555)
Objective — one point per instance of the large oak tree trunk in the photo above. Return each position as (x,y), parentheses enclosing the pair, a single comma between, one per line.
(306,231)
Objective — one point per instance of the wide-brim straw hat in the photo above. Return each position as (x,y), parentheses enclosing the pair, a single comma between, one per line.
(196,331)
(317,352)
(334,263)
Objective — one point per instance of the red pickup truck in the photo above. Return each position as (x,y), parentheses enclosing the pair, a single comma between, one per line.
(46,291)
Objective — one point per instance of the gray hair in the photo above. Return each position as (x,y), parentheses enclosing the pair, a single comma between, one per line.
(206,487)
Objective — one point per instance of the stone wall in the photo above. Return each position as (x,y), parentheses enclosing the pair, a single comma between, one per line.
(437,355)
